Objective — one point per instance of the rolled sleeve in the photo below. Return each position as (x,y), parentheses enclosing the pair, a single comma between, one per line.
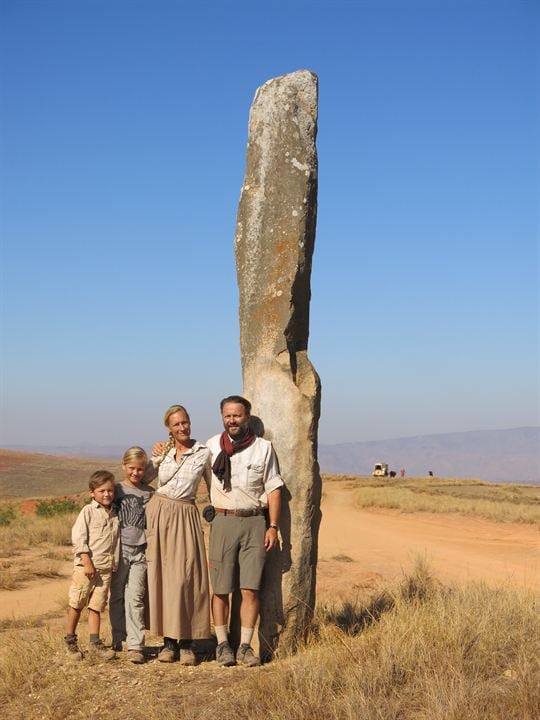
(80,534)
(272,478)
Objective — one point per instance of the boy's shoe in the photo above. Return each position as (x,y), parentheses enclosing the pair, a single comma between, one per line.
(246,656)
(100,652)
(135,656)
(187,656)
(225,655)
(72,651)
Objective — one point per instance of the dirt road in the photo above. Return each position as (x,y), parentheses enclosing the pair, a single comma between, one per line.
(385,543)
(359,547)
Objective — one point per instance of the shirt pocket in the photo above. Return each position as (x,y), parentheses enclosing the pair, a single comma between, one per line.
(99,529)
(254,476)
(194,466)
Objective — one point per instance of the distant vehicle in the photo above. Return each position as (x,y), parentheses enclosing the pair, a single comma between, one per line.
(380,470)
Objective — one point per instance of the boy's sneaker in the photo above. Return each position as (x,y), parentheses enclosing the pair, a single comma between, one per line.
(135,656)
(98,651)
(72,651)
(246,656)
(225,655)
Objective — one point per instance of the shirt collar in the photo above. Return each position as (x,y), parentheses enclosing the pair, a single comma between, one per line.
(197,446)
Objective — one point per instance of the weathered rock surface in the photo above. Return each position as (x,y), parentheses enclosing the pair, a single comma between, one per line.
(274,245)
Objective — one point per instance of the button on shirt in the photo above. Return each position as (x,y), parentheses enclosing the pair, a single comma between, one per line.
(254,474)
(96,532)
(180,480)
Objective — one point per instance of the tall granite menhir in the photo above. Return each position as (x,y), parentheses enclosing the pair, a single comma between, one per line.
(274,245)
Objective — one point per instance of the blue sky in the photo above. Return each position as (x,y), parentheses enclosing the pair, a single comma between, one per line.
(124,127)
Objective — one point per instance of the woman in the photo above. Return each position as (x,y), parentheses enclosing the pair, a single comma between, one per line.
(179,606)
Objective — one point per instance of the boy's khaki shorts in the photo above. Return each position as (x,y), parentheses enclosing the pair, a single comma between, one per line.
(93,593)
(236,542)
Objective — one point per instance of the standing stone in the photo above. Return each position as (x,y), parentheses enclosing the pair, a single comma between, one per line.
(274,243)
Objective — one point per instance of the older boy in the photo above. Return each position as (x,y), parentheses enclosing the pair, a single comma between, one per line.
(96,547)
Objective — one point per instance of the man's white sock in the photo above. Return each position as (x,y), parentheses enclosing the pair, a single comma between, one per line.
(245,635)
(221,633)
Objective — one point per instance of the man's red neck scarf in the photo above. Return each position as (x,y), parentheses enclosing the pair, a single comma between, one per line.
(222,464)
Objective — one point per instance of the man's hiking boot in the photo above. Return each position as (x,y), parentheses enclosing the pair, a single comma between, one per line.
(98,651)
(170,651)
(225,655)
(72,651)
(246,656)
(187,656)
(135,656)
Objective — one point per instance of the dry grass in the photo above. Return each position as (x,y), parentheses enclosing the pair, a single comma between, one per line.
(417,651)
(497,502)
(27,531)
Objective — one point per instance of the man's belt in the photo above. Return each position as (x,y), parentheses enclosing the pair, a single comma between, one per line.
(242,513)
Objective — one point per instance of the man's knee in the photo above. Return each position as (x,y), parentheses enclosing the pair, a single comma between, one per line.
(249,595)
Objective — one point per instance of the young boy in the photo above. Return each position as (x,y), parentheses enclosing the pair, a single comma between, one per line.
(96,547)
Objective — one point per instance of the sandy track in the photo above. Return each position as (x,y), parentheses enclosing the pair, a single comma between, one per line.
(385,543)
(372,545)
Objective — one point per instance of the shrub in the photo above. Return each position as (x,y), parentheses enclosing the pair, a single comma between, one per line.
(7,515)
(49,508)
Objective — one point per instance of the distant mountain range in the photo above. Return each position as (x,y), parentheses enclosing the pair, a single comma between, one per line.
(493,455)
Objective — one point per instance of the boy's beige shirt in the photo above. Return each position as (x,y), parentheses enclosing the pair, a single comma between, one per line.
(97,533)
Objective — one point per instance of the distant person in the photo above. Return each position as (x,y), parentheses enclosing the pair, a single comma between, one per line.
(402,472)
(392,473)
(128,585)
(179,595)
(95,536)
(246,495)
(430,473)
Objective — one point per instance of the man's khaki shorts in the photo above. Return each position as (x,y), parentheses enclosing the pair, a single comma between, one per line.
(236,544)
(92,593)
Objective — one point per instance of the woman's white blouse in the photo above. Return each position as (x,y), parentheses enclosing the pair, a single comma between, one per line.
(180,480)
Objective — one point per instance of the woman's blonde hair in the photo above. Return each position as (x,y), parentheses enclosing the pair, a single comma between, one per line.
(170,411)
(134,453)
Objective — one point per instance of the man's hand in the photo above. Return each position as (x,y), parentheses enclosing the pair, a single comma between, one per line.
(158,448)
(270,539)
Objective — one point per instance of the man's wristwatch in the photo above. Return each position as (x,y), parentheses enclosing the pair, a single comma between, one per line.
(273,525)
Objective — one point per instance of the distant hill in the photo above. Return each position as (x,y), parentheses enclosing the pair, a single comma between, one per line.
(25,474)
(492,455)
(84,450)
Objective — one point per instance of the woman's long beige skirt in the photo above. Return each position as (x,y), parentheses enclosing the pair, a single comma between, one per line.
(178,592)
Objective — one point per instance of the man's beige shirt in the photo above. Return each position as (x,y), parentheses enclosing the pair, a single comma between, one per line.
(254,475)
(97,533)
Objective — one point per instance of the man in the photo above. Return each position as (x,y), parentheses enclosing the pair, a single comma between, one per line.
(245,492)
